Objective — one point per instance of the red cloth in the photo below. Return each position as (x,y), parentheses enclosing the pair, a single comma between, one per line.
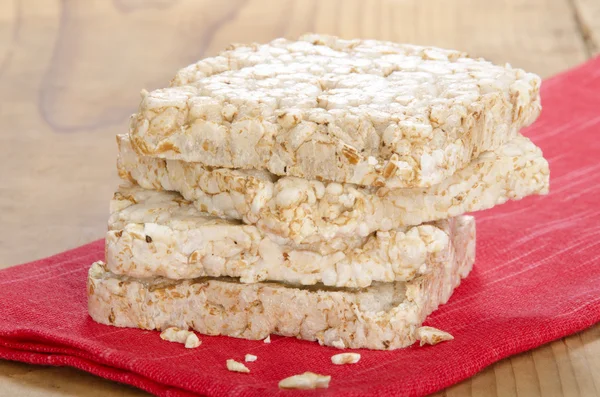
(536,279)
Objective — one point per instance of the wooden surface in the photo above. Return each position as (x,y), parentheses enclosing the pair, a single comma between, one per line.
(71,72)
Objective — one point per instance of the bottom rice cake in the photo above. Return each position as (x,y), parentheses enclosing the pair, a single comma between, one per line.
(381,316)
(157,233)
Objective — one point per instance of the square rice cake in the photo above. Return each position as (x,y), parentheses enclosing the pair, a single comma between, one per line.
(367,112)
(306,211)
(382,316)
(153,233)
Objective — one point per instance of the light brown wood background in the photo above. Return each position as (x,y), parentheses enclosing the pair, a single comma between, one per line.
(71,72)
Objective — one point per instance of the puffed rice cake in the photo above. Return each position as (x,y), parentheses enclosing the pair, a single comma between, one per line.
(154,233)
(382,316)
(367,112)
(306,211)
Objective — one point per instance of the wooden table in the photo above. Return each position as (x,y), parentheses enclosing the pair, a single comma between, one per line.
(71,71)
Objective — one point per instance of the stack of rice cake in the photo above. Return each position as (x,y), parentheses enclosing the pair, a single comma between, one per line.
(312,188)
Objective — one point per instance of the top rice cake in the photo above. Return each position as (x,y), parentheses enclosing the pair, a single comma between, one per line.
(368,112)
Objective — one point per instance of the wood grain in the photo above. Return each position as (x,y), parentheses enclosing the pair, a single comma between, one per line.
(566,367)
(71,71)
(587,14)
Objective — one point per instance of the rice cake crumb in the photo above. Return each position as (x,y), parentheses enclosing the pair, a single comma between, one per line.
(432,336)
(250,358)
(345,358)
(307,380)
(235,366)
(192,341)
(188,338)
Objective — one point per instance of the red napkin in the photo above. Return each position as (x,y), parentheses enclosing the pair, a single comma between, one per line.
(536,279)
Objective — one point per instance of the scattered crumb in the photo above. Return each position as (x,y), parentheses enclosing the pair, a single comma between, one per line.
(188,338)
(250,358)
(432,336)
(235,366)
(345,358)
(192,341)
(307,380)
(339,344)
(267,339)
